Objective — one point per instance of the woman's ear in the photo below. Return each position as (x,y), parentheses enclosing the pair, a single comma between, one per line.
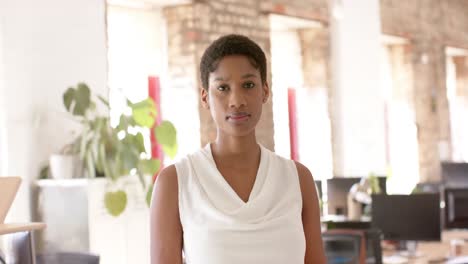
(204,98)
(266,92)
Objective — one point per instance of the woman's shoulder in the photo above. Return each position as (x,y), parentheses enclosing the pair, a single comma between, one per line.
(302,170)
(306,180)
(167,178)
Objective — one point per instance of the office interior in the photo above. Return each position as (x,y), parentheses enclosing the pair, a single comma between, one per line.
(372,96)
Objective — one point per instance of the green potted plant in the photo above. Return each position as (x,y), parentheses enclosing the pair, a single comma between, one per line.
(117,151)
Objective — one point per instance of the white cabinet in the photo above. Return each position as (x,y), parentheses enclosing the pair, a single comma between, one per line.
(77,220)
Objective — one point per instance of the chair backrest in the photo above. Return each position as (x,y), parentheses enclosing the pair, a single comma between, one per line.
(345,246)
(68,258)
(356,246)
(8,189)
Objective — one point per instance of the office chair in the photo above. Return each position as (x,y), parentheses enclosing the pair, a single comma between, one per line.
(68,258)
(348,246)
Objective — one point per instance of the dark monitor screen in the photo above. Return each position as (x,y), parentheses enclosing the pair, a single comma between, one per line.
(337,192)
(318,183)
(407,217)
(428,187)
(455,174)
(456,207)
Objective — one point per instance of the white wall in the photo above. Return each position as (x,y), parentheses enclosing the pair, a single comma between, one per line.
(136,50)
(359,104)
(48,45)
(3,141)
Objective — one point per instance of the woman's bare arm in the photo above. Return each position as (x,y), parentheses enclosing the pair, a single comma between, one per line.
(311,217)
(165,226)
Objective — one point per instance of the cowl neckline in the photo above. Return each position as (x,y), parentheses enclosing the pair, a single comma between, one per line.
(259,177)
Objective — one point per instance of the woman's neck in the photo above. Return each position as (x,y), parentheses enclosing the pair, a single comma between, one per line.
(245,146)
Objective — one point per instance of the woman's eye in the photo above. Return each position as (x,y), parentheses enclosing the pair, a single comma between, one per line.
(222,88)
(249,85)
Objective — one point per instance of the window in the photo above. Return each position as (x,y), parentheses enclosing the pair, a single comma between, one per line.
(457,95)
(300,106)
(402,150)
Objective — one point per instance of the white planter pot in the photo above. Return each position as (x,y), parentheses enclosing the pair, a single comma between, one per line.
(65,166)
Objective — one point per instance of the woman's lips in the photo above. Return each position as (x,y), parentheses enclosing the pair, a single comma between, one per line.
(237,117)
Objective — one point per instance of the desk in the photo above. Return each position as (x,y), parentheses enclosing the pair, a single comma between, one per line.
(436,250)
(21,250)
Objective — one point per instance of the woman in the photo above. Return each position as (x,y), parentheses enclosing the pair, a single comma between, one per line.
(234,201)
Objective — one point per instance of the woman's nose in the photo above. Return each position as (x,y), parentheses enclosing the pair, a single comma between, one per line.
(237,99)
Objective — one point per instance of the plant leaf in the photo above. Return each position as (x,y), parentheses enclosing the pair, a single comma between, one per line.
(149,194)
(90,165)
(44,172)
(101,159)
(68,97)
(139,142)
(129,158)
(144,113)
(115,202)
(166,135)
(103,100)
(149,166)
(123,124)
(82,99)
(171,151)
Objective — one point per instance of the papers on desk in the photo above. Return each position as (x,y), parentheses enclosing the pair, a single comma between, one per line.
(458,260)
(395,259)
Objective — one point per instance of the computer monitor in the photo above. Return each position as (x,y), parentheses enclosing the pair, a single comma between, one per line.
(456,207)
(407,217)
(455,174)
(318,183)
(428,187)
(337,192)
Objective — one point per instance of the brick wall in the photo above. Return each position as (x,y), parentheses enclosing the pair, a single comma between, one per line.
(461,68)
(441,21)
(312,9)
(315,43)
(192,27)
(430,26)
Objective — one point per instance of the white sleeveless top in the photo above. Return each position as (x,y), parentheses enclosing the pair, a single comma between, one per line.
(220,228)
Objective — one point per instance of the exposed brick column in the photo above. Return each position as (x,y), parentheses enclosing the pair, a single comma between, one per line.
(191,28)
(431,105)
(461,103)
(402,73)
(315,44)
(443,111)
(461,67)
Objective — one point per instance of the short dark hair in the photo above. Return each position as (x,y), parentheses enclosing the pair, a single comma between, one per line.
(231,45)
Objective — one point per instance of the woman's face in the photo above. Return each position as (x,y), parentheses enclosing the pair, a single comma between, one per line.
(235,96)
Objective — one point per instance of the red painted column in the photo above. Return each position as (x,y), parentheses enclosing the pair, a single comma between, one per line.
(154,92)
(292,124)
